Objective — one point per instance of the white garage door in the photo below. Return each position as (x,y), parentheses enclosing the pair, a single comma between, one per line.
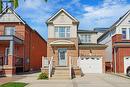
(126,63)
(91,65)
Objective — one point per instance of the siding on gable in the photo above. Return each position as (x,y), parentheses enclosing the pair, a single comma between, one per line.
(58,21)
(9,17)
(107,40)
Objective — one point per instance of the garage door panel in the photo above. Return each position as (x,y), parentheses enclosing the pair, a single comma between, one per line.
(91,65)
(126,63)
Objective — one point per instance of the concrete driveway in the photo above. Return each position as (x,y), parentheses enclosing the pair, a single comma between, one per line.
(89,80)
(101,80)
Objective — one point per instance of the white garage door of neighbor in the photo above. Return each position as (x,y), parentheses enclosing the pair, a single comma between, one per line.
(126,63)
(91,65)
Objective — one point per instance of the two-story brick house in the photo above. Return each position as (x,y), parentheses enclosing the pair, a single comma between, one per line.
(19,44)
(66,40)
(62,37)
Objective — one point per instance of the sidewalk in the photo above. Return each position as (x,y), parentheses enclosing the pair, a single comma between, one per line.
(9,79)
(121,75)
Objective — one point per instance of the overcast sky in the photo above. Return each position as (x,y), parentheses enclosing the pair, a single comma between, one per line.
(90,13)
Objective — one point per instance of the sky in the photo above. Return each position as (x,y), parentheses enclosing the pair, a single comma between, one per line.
(90,13)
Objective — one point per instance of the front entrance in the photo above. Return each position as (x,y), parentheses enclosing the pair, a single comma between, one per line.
(62,56)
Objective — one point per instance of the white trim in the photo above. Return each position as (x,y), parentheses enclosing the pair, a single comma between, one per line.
(123,18)
(65,56)
(13,13)
(59,12)
(64,42)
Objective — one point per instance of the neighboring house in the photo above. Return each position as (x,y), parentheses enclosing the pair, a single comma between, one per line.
(21,47)
(118,40)
(65,40)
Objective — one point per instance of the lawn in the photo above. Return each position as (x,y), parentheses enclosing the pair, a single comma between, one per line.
(14,84)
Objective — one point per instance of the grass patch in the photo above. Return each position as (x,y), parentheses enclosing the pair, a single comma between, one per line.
(14,84)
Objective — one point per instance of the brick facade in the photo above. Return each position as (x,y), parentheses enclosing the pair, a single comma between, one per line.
(71,50)
(119,52)
(31,50)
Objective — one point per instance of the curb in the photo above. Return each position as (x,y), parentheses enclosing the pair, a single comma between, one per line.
(123,76)
(29,85)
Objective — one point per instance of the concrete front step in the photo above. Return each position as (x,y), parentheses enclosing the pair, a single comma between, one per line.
(59,77)
(61,68)
(60,73)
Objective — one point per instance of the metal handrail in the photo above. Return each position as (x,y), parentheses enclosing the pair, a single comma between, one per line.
(70,66)
(50,67)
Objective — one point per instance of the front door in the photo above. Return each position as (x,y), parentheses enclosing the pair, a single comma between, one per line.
(62,56)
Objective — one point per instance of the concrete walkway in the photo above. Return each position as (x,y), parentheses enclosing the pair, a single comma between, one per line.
(89,80)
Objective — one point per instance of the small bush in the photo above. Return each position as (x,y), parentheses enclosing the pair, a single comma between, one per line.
(43,76)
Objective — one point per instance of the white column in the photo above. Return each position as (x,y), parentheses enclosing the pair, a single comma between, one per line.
(11,47)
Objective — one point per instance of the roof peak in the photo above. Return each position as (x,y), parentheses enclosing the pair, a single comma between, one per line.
(58,12)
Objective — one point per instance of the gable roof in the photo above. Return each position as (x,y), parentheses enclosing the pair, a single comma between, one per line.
(86,31)
(101,29)
(61,10)
(117,23)
(9,9)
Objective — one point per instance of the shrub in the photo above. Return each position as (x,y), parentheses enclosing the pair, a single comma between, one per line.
(43,76)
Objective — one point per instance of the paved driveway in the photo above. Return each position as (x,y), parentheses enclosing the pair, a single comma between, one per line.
(89,80)
(102,80)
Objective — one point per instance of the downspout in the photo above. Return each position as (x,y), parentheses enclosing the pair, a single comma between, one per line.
(115,59)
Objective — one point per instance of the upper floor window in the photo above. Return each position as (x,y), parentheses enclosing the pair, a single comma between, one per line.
(9,30)
(85,38)
(62,32)
(123,33)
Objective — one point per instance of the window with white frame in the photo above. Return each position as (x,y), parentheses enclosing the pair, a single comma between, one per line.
(62,32)
(9,30)
(85,38)
(124,33)
(129,33)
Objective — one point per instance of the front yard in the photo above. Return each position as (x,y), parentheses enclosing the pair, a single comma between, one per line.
(14,84)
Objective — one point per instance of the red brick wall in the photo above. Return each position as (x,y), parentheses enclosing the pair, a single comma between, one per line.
(34,47)
(38,49)
(121,52)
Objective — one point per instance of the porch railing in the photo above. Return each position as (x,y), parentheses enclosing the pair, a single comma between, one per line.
(1,63)
(47,62)
(17,34)
(70,67)
(74,62)
(50,67)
